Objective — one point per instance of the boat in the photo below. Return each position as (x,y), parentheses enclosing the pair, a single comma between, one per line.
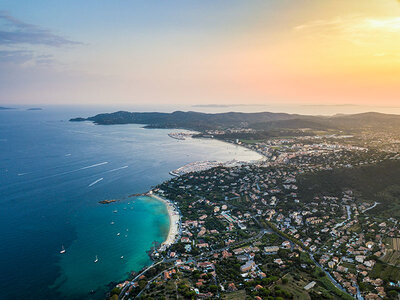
(118,233)
(122,257)
(115,211)
(62,250)
(96,260)
(112,223)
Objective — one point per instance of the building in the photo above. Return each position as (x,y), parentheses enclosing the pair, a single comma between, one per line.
(248,266)
(271,249)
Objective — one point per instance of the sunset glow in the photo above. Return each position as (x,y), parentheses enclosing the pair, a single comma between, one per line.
(230,52)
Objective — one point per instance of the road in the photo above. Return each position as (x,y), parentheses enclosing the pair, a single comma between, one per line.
(122,294)
(200,257)
(151,280)
(367,209)
(348,209)
(334,282)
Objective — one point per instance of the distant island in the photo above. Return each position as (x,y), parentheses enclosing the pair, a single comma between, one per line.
(6,108)
(35,108)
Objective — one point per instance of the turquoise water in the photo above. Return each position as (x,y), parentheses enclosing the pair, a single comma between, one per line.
(139,222)
(53,173)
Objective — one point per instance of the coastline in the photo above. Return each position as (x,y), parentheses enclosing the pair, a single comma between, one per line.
(174,220)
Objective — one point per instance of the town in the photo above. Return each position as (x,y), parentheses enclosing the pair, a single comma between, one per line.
(257,231)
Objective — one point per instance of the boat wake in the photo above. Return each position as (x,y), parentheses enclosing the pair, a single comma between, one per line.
(92,166)
(113,170)
(73,171)
(96,181)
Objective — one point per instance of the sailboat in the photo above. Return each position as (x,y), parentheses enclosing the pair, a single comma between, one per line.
(96,260)
(62,250)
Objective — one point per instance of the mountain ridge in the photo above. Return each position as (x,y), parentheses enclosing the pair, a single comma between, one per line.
(258,121)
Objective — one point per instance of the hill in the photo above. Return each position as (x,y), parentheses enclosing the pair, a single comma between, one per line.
(258,121)
(372,183)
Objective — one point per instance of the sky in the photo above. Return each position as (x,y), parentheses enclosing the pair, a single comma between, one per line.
(226,52)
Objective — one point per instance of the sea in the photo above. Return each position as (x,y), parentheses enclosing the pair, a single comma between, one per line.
(53,173)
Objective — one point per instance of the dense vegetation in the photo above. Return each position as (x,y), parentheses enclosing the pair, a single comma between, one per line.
(380,183)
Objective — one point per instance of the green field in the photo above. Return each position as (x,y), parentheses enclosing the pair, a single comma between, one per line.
(296,287)
(238,295)
(386,272)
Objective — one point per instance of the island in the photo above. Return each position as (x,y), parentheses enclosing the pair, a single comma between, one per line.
(108,201)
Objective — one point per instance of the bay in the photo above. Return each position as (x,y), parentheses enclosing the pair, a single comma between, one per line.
(53,173)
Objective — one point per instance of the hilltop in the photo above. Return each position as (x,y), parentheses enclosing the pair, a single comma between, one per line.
(256,121)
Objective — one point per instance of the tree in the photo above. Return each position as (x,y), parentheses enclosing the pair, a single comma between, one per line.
(213,288)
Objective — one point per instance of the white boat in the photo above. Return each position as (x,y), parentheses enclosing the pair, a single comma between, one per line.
(112,223)
(115,211)
(118,233)
(62,250)
(96,260)
(122,257)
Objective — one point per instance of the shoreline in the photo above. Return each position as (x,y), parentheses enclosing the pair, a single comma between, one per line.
(174,221)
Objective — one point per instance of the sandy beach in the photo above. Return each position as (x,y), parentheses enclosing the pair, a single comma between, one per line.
(174,218)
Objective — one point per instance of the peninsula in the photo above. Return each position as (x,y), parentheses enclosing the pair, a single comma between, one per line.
(309,221)
(267,122)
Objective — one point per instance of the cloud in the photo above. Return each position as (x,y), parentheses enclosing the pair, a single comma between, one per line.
(14,32)
(353,24)
(24,58)
(357,29)
(15,56)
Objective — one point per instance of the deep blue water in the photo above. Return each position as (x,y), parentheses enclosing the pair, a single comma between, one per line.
(49,197)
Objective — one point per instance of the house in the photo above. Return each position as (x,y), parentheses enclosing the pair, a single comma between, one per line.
(226,254)
(247,266)
(360,258)
(238,251)
(185,239)
(271,249)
